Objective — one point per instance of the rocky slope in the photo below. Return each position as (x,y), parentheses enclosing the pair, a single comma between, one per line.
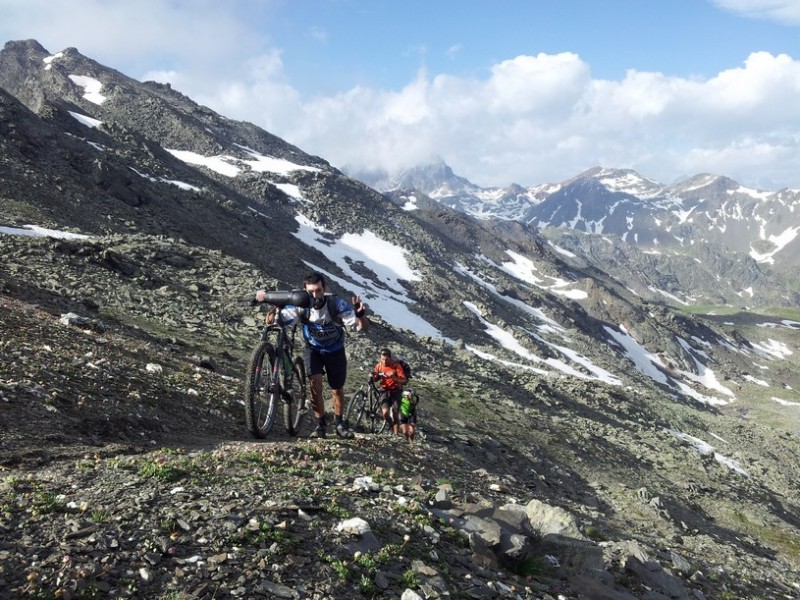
(127,470)
(576,440)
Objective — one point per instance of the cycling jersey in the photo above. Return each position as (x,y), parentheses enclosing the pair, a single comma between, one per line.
(321,330)
(387,381)
(407,406)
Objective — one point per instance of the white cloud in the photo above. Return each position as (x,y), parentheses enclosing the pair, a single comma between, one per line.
(527,119)
(318,34)
(543,119)
(454,50)
(782,11)
(532,85)
(143,33)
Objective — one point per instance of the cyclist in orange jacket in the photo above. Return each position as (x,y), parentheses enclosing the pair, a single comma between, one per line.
(392,378)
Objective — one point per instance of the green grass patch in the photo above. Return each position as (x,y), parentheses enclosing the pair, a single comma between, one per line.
(161,471)
(410,579)
(100,516)
(531,566)
(792,314)
(366,585)
(339,566)
(782,540)
(737,314)
(20,211)
(264,533)
(708,309)
(47,502)
(594,534)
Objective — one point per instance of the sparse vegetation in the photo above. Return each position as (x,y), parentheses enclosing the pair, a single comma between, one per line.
(410,579)
(160,469)
(531,566)
(100,515)
(594,534)
(45,502)
(126,467)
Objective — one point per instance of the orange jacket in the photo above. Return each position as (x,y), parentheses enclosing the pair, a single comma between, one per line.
(391,375)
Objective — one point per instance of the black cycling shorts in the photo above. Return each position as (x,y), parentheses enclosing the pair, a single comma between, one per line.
(390,397)
(333,364)
(406,419)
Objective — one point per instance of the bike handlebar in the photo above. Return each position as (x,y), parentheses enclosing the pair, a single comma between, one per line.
(300,298)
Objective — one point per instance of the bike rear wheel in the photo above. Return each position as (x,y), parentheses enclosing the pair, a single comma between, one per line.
(295,408)
(260,400)
(377,423)
(356,410)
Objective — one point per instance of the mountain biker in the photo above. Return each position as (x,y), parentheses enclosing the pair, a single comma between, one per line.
(392,378)
(324,351)
(408,413)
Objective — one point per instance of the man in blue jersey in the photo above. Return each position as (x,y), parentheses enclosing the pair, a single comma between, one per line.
(324,332)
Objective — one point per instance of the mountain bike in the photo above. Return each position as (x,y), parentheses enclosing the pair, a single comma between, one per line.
(275,375)
(364,410)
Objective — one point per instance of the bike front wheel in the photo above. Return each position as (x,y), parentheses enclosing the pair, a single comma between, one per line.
(261,399)
(356,410)
(295,401)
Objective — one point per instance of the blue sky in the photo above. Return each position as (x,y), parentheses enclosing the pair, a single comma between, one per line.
(522,91)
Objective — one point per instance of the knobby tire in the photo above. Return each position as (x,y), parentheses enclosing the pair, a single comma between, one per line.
(355,410)
(295,409)
(378,422)
(260,402)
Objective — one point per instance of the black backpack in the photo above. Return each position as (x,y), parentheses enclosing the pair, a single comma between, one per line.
(406,367)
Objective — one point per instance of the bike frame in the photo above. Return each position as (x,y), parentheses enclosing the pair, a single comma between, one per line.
(373,397)
(284,345)
(372,405)
(266,391)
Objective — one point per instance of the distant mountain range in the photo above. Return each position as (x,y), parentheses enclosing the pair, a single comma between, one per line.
(744,243)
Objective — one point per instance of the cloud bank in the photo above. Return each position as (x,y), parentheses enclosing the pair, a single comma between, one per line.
(526,119)
(543,118)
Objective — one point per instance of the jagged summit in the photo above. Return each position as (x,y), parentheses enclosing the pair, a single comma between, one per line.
(622,180)
(436,179)
(17,46)
(701,215)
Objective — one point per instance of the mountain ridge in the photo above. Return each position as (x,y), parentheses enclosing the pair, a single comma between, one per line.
(552,375)
(684,223)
